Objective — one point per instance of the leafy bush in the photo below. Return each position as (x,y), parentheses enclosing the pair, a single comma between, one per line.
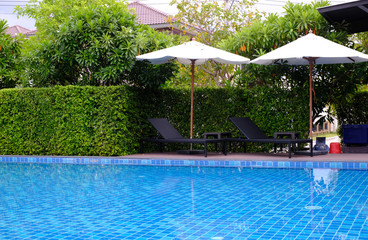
(353,110)
(110,121)
(65,121)
(96,44)
(10,64)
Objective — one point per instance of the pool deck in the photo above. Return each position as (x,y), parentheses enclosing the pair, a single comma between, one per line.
(343,157)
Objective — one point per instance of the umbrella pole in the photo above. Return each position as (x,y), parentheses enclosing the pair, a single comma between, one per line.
(192,102)
(311,66)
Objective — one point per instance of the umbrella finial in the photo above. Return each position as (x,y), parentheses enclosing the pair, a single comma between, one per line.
(310,31)
(193,39)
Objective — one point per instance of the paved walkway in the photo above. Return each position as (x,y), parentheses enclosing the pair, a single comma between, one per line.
(344,157)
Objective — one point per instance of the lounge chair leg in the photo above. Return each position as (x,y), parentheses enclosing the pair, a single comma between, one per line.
(311,148)
(205,149)
(289,149)
(224,147)
(141,146)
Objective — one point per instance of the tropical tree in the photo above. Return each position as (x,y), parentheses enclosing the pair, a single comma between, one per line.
(50,14)
(211,21)
(91,43)
(362,39)
(10,65)
(332,82)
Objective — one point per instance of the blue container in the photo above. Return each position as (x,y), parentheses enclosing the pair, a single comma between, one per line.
(355,134)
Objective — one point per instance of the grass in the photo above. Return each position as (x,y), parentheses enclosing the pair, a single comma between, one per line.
(327,135)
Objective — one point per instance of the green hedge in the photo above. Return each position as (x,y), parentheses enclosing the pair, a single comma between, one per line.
(65,121)
(110,121)
(354,110)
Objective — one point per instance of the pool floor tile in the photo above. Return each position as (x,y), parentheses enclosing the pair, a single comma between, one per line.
(56,201)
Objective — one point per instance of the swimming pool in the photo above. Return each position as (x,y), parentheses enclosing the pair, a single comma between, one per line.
(57,201)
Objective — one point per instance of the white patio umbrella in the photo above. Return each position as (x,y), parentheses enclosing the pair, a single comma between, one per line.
(311,50)
(194,53)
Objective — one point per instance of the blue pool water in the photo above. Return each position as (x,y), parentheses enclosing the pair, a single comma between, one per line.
(56,201)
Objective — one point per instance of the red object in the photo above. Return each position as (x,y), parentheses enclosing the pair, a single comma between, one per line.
(335,147)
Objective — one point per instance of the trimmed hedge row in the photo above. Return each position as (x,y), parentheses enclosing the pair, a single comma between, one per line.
(65,121)
(353,111)
(110,121)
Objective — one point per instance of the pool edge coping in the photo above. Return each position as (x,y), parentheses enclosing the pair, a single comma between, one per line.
(85,160)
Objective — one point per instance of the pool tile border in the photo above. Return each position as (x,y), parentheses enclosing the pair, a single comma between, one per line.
(187,163)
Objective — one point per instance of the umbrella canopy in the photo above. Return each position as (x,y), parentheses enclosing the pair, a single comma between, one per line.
(194,53)
(310,50)
(193,50)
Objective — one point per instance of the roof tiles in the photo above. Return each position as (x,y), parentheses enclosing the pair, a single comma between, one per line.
(148,15)
(14,30)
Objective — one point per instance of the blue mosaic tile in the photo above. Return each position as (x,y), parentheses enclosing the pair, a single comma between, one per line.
(344,165)
(164,162)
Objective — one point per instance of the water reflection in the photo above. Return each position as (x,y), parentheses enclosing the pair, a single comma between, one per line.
(324,180)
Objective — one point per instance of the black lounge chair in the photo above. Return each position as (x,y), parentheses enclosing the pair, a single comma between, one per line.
(171,135)
(253,134)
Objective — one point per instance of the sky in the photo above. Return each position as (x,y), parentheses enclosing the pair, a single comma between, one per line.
(271,6)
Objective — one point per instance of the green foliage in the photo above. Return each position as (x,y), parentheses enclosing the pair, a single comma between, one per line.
(353,110)
(183,77)
(363,88)
(332,82)
(92,43)
(67,121)
(212,21)
(276,31)
(143,73)
(362,40)
(110,121)
(10,52)
(50,14)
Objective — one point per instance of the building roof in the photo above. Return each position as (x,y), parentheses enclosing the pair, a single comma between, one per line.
(156,19)
(148,15)
(30,33)
(355,14)
(14,30)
